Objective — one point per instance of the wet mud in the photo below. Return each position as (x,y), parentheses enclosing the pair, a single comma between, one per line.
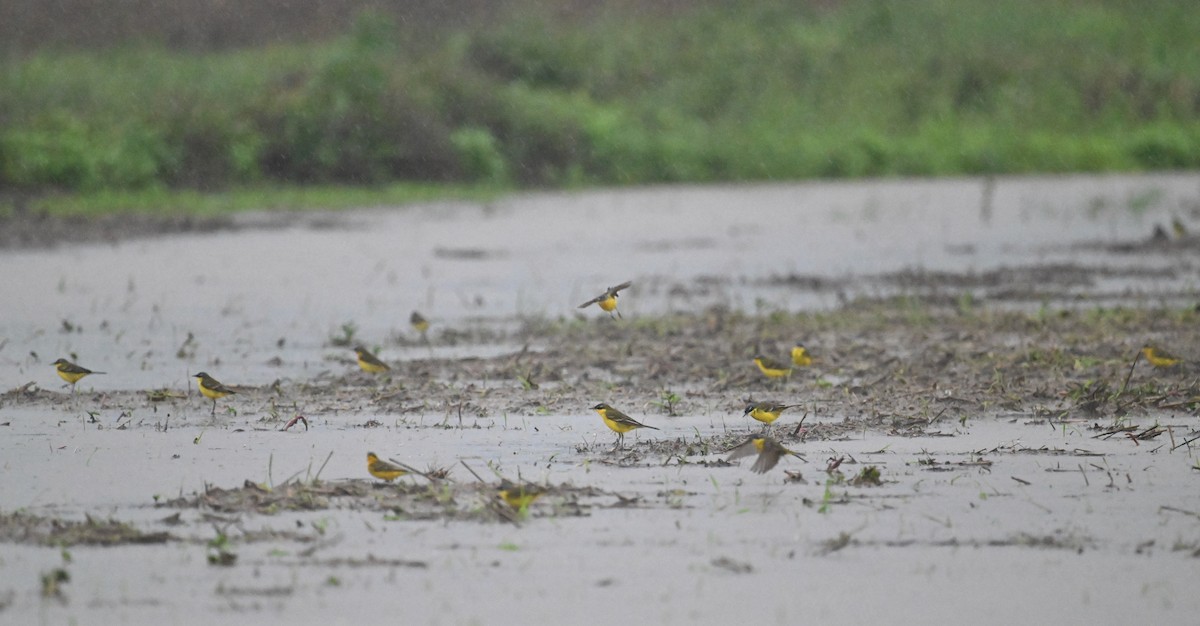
(984,429)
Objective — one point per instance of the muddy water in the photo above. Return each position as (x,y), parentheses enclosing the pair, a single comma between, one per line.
(1079,529)
(1056,525)
(245,294)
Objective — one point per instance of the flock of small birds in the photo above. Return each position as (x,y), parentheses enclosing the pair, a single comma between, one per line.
(767,450)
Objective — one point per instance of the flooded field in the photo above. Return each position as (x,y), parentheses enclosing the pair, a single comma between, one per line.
(980,437)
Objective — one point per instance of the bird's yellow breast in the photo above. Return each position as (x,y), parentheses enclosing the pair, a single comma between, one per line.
(801,357)
(518,498)
(619,427)
(71,377)
(770,372)
(209,392)
(764,415)
(373,368)
(1157,359)
(608,304)
(382,469)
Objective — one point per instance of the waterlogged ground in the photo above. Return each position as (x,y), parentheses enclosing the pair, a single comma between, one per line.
(979,440)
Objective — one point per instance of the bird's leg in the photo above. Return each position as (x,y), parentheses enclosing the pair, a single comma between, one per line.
(213,413)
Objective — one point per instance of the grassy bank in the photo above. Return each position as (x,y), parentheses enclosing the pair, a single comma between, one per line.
(544,97)
(264,196)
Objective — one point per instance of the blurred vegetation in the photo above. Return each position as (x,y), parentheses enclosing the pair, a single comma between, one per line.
(565,94)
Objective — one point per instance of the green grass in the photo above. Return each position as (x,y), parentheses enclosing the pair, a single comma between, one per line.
(767,91)
(259,197)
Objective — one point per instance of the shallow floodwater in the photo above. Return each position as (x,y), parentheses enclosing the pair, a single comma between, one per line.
(811,245)
(995,519)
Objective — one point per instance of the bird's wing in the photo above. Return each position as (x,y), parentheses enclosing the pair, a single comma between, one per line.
(216,386)
(622,418)
(768,459)
(745,449)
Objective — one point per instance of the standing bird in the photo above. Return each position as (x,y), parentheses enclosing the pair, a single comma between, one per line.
(71,372)
(1159,357)
(388,470)
(212,388)
(419,323)
(767,412)
(608,299)
(801,356)
(768,450)
(771,368)
(369,362)
(519,496)
(619,422)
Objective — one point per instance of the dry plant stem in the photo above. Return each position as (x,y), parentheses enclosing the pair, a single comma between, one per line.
(1129,375)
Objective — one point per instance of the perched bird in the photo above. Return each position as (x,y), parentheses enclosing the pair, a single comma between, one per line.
(771,368)
(608,299)
(388,470)
(369,362)
(619,422)
(519,496)
(418,322)
(71,372)
(768,450)
(767,412)
(212,388)
(1159,357)
(801,356)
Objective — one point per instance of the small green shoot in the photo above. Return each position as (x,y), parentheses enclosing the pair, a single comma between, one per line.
(219,552)
(667,402)
(346,339)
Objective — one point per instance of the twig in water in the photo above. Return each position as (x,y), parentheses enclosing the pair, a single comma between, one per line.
(322,468)
(796,430)
(1129,375)
(1175,510)
(464,464)
(1186,442)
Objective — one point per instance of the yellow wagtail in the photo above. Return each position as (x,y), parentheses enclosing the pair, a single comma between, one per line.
(369,362)
(519,496)
(801,357)
(608,299)
(768,450)
(1159,357)
(619,422)
(212,388)
(71,372)
(418,322)
(767,412)
(771,368)
(388,470)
